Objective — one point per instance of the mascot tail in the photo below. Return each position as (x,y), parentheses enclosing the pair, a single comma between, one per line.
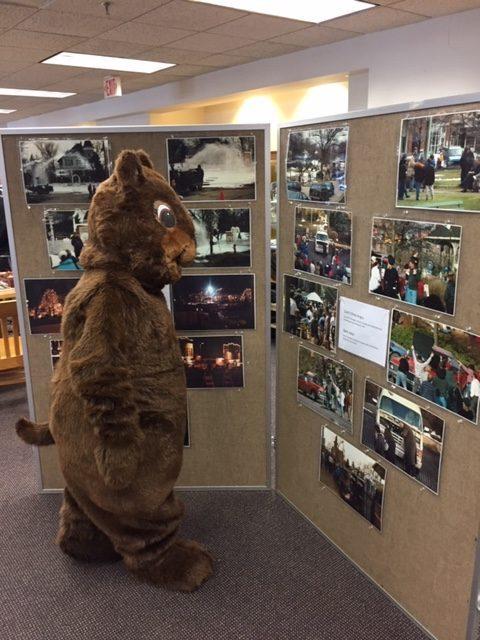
(33,433)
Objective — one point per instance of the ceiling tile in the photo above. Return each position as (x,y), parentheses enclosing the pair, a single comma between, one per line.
(100,47)
(211,42)
(85,82)
(432,8)
(170,54)
(265,49)
(180,13)
(121,10)
(11,67)
(224,60)
(37,40)
(10,15)
(74,24)
(186,70)
(258,27)
(314,36)
(375,19)
(145,33)
(15,54)
(38,75)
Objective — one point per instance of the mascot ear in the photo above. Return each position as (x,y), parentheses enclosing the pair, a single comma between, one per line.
(128,169)
(144,158)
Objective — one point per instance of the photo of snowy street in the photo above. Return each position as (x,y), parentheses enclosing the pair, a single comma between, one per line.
(212,168)
(223,237)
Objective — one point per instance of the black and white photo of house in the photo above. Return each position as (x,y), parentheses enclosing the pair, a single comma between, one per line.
(58,170)
(55,351)
(317,165)
(355,477)
(212,362)
(223,237)
(220,168)
(209,302)
(66,232)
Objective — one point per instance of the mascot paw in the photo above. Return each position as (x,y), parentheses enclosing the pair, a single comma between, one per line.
(185,566)
(117,465)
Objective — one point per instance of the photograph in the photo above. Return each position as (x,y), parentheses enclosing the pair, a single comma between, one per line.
(67,232)
(352,475)
(212,168)
(415,262)
(409,437)
(223,238)
(202,303)
(317,165)
(325,386)
(55,351)
(59,170)
(439,162)
(309,311)
(439,363)
(45,299)
(323,243)
(212,362)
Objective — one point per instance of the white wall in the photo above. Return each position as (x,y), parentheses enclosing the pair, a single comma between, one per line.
(430,59)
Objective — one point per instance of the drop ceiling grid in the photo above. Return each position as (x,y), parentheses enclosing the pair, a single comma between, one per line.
(197,37)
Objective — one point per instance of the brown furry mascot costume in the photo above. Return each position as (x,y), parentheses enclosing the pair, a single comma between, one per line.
(118,409)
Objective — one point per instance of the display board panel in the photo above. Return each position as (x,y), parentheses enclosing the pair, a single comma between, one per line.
(50,177)
(424,557)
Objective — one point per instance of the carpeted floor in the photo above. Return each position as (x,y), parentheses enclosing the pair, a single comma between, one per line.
(276,577)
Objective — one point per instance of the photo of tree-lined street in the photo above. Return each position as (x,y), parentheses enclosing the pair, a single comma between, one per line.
(323,240)
(416,262)
(316,164)
(439,162)
(325,386)
(409,437)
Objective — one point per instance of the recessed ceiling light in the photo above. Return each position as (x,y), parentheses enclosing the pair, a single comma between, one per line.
(7,110)
(34,93)
(89,61)
(304,10)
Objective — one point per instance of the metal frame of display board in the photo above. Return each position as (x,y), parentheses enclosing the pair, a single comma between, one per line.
(473,627)
(105,130)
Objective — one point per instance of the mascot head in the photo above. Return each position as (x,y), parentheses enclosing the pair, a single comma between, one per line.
(137,223)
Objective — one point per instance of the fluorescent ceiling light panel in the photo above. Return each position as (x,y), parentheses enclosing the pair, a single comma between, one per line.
(34,93)
(305,10)
(69,59)
(7,110)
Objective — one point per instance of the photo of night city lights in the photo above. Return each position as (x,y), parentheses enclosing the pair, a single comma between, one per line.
(212,362)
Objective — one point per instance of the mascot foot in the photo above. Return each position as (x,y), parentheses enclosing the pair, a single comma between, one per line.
(79,538)
(184,567)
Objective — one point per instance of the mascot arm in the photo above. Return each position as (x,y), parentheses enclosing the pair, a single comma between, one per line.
(101,376)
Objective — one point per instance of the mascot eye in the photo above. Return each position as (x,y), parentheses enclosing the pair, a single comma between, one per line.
(165,215)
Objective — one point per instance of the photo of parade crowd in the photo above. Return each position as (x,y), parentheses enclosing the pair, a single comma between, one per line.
(437,362)
(222,236)
(439,162)
(212,362)
(202,302)
(63,170)
(67,232)
(212,168)
(323,240)
(325,386)
(317,164)
(55,351)
(409,437)
(355,477)
(416,262)
(310,311)
(45,299)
